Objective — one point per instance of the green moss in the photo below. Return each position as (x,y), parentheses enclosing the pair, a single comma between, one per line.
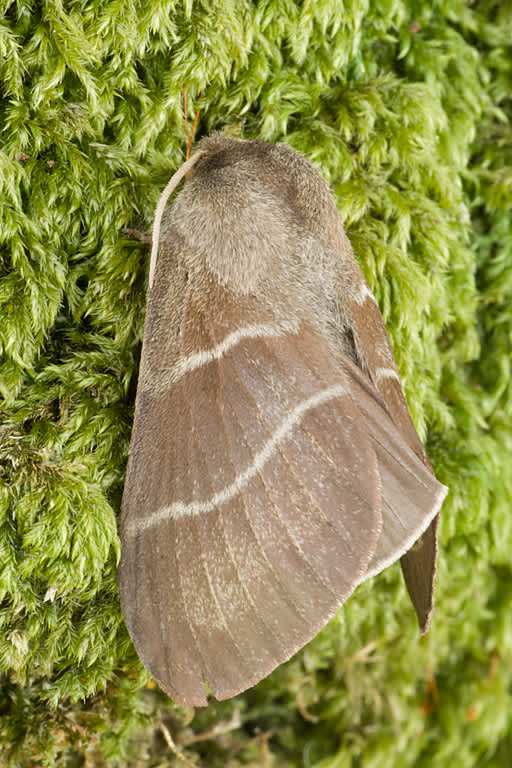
(405,107)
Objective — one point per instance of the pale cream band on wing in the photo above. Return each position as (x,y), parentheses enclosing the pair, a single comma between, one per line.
(363,294)
(181,509)
(386,373)
(205,356)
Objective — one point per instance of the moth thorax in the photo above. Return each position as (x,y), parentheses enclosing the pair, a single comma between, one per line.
(239,241)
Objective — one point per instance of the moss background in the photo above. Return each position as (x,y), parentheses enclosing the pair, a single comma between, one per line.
(405,107)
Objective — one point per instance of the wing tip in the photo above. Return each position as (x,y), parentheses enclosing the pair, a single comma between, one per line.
(424,623)
(411,540)
(262,672)
(197,698)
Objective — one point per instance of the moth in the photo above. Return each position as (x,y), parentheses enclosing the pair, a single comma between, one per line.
(273,464)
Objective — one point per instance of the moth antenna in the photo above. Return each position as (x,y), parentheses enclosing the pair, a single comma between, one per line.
(190,134)
(185,114)
(157,221)
(191,139)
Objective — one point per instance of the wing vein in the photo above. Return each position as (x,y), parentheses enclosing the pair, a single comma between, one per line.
(285,525)
(226,539)
(180,580)
(220,612)
(284,591)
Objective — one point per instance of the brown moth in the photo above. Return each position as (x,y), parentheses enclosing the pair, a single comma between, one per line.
(274,465)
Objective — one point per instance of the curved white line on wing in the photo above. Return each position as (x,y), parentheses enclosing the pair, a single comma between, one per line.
(406,544)
(205,356)
(181,509)
(386,373)
(363,294)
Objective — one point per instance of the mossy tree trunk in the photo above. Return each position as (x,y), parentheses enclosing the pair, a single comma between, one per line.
(405,108)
